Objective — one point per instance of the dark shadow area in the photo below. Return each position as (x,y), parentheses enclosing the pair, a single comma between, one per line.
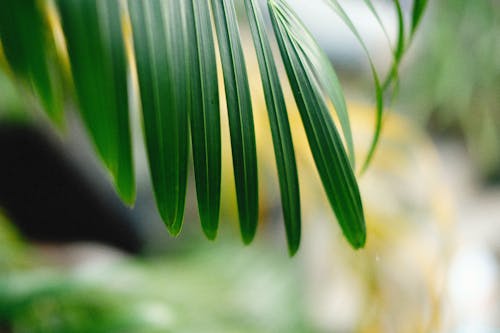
(48,198)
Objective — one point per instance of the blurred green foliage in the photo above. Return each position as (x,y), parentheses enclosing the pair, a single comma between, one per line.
(212,289)
(454,83)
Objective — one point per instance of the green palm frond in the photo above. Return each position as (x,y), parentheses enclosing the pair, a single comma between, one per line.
(280,127)
(241,124)
(175,55)
(205,121)
(162,59)
(326,146)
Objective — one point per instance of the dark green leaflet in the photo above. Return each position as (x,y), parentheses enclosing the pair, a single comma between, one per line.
(240,116)
(97,55)
(160,44)
(329,83)
(280,127)
(326,146)
(205,116)
(417,13)
(29,51)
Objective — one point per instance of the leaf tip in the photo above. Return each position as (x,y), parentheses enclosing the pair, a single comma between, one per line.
(174,229)
(129,201)
(210,233)
(293,249)
(358,241)
(247,237)
(173,224)
(293,240)
(125,189)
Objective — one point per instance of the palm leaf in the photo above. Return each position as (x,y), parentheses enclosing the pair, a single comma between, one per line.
(240,116)
(161,46)
(280,127)
(175,58)
(205,117)
(417,13)
(97,55)
(326,146)
(328,79)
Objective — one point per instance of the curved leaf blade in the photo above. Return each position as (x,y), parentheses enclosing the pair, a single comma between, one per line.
(328,79)
(325,143)
(379,90)
(331,85)
(160,39)
(392,75)
(372,9)
(280,128)
(417,13)
(205,116)
(96,52)
(240,116)
(28,49)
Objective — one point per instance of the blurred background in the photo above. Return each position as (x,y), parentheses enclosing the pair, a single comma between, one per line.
(73,258)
